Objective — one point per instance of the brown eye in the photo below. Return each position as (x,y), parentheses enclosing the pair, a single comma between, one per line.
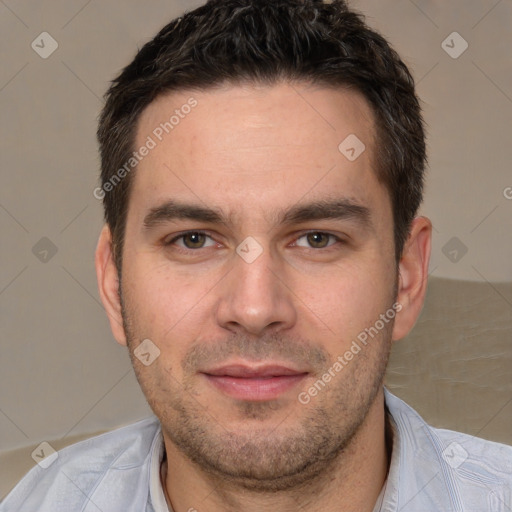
(193,240)
(318,240)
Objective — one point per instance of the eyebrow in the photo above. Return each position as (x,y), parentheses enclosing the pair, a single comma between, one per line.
(339,209)
(172,210)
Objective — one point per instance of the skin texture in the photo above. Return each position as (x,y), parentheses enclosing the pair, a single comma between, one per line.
(251,153)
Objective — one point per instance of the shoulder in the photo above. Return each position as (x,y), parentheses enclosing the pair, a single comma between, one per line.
(481,470)
(468,470)
(479,456)
(457,447)
(117,461)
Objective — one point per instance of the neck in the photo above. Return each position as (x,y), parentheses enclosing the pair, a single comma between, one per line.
(352,482)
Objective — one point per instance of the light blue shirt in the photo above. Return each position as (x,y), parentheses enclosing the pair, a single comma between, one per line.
(431,470)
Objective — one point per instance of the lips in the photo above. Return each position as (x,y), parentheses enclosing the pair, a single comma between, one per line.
(248,372)
(254,383)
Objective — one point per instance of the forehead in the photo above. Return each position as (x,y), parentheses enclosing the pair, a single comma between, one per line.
(301,114)
(256,147)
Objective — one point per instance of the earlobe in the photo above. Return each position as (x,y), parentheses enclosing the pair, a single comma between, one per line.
(108,284)
(413,273)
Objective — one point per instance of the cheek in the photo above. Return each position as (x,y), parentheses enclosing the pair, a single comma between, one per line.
(165,303)
(347,298)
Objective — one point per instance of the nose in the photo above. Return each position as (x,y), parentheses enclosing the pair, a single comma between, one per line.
(255,297)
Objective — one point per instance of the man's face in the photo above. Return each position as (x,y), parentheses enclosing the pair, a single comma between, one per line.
(286,255)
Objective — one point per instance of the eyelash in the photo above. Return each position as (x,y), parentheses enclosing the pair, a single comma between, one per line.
(200,232)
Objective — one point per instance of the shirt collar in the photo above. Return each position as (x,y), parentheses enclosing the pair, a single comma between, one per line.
(155,482)
(417,477)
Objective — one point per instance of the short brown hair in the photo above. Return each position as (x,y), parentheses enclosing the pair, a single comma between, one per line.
(266,41)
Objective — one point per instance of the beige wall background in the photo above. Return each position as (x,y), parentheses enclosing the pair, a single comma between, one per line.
(62,376)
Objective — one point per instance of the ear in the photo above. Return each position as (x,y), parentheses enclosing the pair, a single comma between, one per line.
(108,284)
(412,278)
